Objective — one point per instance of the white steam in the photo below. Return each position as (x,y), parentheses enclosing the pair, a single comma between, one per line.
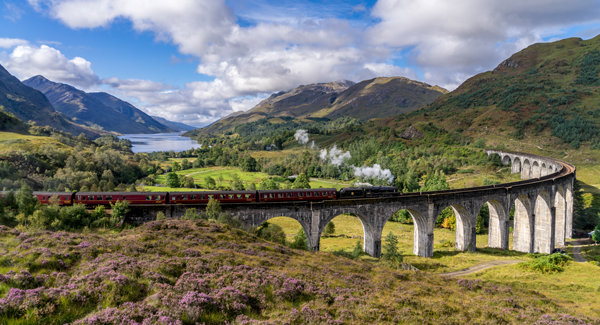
(335,156)
(313,146)
(301,136)
(375,172)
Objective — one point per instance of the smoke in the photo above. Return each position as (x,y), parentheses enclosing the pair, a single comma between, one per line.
(335,156)
(313,146)
(301,136)
(374,173)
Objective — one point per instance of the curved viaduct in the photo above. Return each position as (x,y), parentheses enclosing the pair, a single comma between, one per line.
(543,214)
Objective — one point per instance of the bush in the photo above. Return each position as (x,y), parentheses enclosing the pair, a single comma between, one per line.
(546,264)
(356,252)
(160,216)
(213,209)
(329,229)
(226,219)
(299,241)
(271,232)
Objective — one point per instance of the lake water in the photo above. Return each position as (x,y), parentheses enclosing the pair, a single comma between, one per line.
(160,142)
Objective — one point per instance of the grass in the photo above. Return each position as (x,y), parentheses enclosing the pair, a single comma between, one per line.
(14,142)
(577,288)
(348,230)
(227,173)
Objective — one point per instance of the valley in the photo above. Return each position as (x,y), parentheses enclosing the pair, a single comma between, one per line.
(207,264)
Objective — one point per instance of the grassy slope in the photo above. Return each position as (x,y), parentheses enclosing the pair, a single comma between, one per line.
(160,267)
(14,142)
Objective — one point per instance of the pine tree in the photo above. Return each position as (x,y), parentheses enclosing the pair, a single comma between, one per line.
(213,209)
(301,182)
(392,255)
(329,229)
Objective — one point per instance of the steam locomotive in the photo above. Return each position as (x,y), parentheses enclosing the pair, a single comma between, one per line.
(317,194)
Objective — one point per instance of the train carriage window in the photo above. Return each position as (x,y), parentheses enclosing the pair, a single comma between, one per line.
(279,195)
(184,197)
(295,194)
(158,197)
(210,196)
(266,196)
(78,197)
(289,194)
(201,197)
(231,196)
(109,198)
(90,198)
(148,197)
(193,197)
(308,194)
(300,194)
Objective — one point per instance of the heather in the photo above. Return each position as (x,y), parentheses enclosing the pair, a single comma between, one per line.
(201,272)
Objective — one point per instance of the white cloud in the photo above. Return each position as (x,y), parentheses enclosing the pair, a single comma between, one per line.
(290,45)
(8,43)
(452,40)
(27,61)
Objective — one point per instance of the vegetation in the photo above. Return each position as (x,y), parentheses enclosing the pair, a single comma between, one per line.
(547,263)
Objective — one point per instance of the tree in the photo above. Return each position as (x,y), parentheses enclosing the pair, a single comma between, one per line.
(271,232)
(251,187)
(172,180)
(132,188)
(213,209)
(299,241)
(596,235)
(210,182)
(185,164)
(392,255)
(191,214)
(119,211)
(248,164)
(238,185)
(435,182)
(160,216)
(175,166)
(301,182)
(329,229)
(188,182)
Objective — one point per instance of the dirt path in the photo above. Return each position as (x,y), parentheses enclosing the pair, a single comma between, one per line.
(577,251)
(481,266)
(202,171)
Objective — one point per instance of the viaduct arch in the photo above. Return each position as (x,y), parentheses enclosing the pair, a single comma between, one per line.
(543,216)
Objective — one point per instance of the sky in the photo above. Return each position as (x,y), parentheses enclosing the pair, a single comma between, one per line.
(195,61)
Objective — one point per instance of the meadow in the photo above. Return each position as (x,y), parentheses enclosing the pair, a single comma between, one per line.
(226,174)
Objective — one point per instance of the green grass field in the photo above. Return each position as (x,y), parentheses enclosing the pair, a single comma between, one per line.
(227,174)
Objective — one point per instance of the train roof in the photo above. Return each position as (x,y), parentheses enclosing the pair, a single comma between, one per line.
(298,190)
(214,192)
(52,193)
(121,193)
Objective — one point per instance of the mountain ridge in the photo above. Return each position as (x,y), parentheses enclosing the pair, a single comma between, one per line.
(87,109)
(385,96)
(176,126)
(29,104)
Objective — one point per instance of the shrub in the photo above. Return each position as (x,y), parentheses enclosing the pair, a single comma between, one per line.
(545,264)
(329,229)
(271,232)
(160,216)
(227,219)
(213,209)
(299,241)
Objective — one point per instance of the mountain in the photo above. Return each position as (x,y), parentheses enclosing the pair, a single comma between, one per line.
(86,109)
(28,104)
(173,125)
(374,98)
(131,111)
(546,96)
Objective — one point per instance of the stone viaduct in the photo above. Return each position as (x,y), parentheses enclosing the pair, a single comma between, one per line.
(543,210)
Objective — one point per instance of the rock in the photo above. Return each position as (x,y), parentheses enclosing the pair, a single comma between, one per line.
(412,133)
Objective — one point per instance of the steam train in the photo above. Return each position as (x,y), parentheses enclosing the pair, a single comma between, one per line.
(317,194)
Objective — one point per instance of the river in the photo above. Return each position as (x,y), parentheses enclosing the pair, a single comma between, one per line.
(160,142)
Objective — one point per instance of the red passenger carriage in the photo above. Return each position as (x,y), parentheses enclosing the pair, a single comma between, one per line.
(106,198)
(297,195)
(204,197)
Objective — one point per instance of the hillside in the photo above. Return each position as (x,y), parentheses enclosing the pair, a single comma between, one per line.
(203,272)
(374,98)
(28,104)
(545,96)
(86,109)
(131,111)
(173,125)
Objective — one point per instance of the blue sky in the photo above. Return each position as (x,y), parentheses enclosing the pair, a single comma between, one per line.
(194,61)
